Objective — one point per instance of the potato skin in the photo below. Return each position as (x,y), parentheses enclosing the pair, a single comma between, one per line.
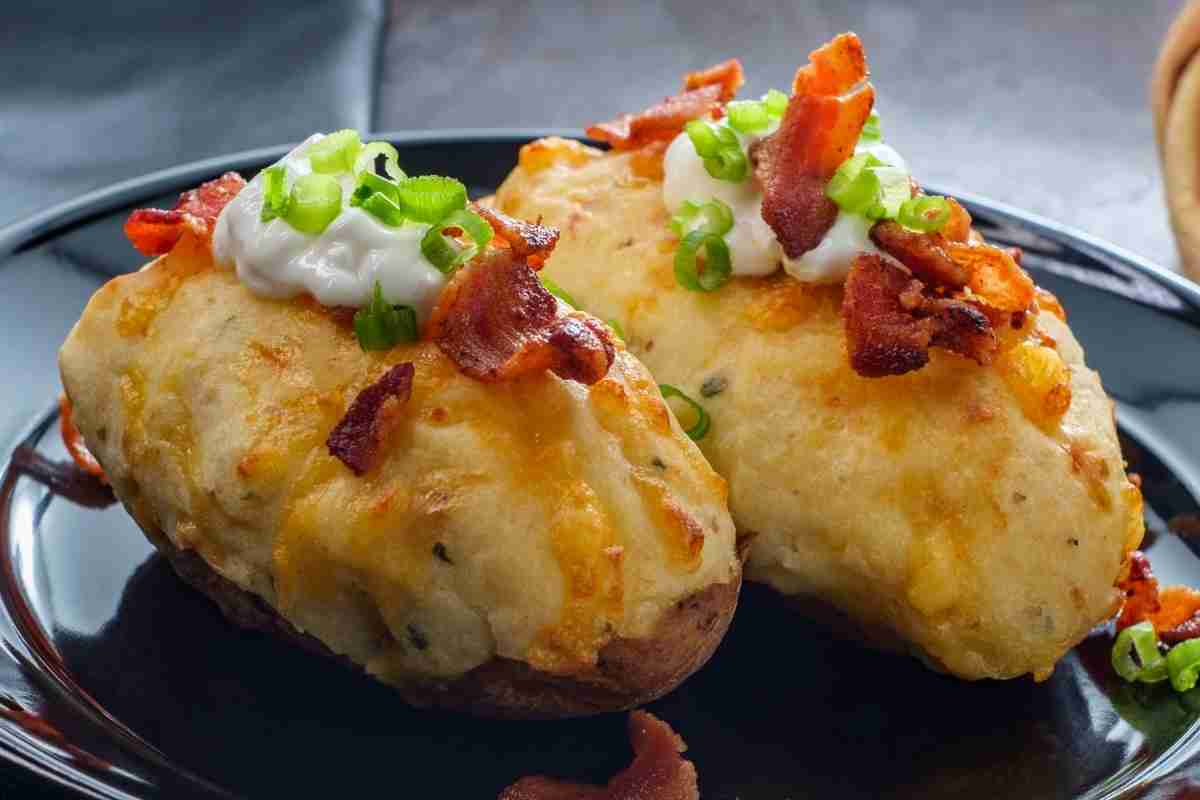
(937,508)
(516,544)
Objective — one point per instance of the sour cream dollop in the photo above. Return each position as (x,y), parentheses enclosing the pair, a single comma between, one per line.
(753,248)
(339,266)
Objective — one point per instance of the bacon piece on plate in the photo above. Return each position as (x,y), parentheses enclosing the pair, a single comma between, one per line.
(891,324)
(1141,591)
(154,231)
(658,771)
(73,441)
(355,440)
(923,253)
(819,130)
(529,240)
(497,322)
(704,93)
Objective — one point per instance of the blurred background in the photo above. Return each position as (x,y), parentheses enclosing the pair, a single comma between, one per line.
(1041,105)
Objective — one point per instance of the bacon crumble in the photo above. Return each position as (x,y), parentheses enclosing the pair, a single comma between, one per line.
(1174,611)
(356,439)
(154,231)
(530,240)
(658,771)
(497,322)
(704,93)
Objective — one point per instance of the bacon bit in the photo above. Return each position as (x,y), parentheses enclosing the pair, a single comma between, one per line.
(154,231)
(73,440)
(704,93)
(1141,591)
(891,324)
(355,440)
(497,322)
(530,241)
(1047,301)
(923,253)
(958,227)
(996,278)
(658,772)
(1174,611)
(818,132)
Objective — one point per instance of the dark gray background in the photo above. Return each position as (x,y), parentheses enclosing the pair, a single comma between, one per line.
(1040,105)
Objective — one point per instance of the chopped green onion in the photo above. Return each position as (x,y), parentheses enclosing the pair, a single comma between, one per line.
(894,188)
(336,153)
(1135,654)
(721,150)
(853,187)
(274,192)
(870,131)
(748,116)
(1183,664)
(712,217)
(697,431)
(775,102)
(445,253)
(924,214)
(429,198)
(704,138)
(368,159)
(381,208)
(315,201)
(617,329)
(369,183)
(730,164)
(379,325)
(556,290)
(717,265)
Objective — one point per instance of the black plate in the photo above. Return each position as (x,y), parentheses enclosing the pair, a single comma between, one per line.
(118,682)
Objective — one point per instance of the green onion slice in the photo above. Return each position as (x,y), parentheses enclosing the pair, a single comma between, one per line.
(368,158)
(854,186)
(730,164)
(381,208)
(698,430)
(748,116)
(717,265)
(1183,664)
(447,254)
(379,325)
(704,138)
(894,189)
(429,198)
(617,329)
(315,201)
(721,150)
(775,102)
(274,192)
(870,132)
(336,153)
(925,214)
(1135,654)
(712,217)
(556,290)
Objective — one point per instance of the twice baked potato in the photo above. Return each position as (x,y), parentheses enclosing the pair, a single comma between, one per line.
(968,501)
(533,546)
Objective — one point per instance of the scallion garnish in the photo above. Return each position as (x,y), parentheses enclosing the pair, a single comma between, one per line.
(713,217)
(446,253)
(336,153)
(274,192)
(617,329)
(775,102)
(380,325)
(700,428)
(556,290)
(865,185)
(894,188)
(369,183)
(1183,664)
(314,202)
(717,266)
(368,159)
(380,207)
(748,116)
(925,213)
(1135,655)
(429,198)
(720,149)
(870,132)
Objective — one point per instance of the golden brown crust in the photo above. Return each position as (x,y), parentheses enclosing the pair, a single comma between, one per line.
(628,673)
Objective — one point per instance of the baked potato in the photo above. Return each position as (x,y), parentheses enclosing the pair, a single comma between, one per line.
(531,547)
(969,505)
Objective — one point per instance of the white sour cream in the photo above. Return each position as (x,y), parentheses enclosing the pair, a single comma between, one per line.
(753,248)
(339,266)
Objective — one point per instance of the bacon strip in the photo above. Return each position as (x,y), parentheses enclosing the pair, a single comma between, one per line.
(891,324)
(658,772)
(355,440)
(704,93)
(818,132)
(154,231)
(73,441)
(529,240)
(497,322)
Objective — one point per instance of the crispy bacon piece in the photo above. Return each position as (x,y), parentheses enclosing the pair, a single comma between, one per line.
(355,440)
(891,324)
(497,322)
(703,93)
(923,253)
(154,231)
(818,132)
(1141,591)
(658,772)
(529,240)
(1174,610)
(73,441)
